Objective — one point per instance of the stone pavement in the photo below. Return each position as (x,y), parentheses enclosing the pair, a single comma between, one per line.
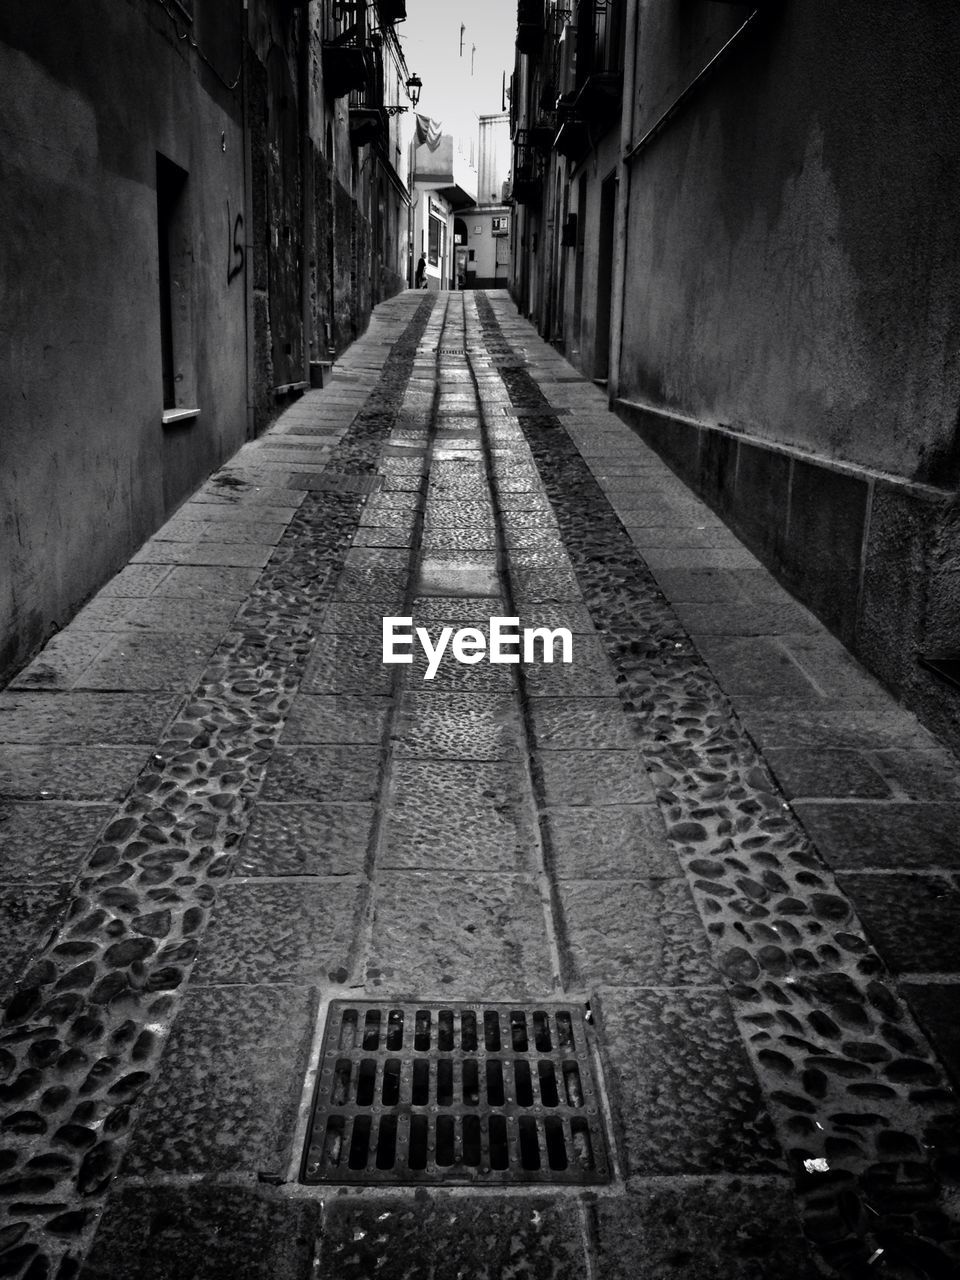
(712,831)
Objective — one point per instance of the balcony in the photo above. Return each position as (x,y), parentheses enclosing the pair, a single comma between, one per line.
(530,27)
(391,12)
(350,64)
(527,186)
(572,139)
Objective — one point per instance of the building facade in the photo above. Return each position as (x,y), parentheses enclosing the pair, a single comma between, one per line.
(460,218)
(739,218)
(201,204)
(444,182)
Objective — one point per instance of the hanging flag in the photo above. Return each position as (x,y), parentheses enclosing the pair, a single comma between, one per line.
(428,132)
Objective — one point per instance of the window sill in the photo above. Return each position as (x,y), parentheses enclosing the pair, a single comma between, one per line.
(172,417)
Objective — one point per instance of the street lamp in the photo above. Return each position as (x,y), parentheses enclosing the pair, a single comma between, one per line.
(414,85)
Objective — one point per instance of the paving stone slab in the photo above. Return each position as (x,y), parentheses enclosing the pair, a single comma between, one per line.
(686,1096)
(707,1229)
(754,665)
(912,920)
(150,660)
(336,718)
(438,543)
(589,675)
(457,726)
(192,582)
(69,773)
(228,554)
(362,623)
(205,1233)
(776,721)
(62,660)
(384,586)
(216,513)
(385,535)
(544,586)
(469,576)
(617,842)
(468,816)
(936,1006)
(920,775)
(28,913)
(630,933)
(306,840)
(826,772)
(452,676)
(328,773)
(229,1084)
(291,932)
(580,724)
(434,612)
(135,580)
(161,613)
(894,836)
(575,617)
(378,557)
(73,717)
(444,513)
(738,619)
(669,537)
(476,937)
(350,664)
(838,674)
(389,519)
(197,531)
(44,842)
(594,778)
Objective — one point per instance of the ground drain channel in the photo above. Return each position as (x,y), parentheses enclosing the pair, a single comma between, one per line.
(458,1094)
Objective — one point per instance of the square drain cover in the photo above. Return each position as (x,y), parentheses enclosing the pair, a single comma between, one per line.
(483,1094)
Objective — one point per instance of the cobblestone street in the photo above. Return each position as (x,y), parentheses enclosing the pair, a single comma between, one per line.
(712,836)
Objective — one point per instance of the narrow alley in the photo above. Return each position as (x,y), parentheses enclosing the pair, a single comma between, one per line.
(637,966)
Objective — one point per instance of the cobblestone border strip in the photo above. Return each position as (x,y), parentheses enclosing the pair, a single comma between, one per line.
(861,1104)
(82,1036)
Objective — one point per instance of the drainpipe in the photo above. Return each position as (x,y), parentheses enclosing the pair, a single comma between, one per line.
(631,40)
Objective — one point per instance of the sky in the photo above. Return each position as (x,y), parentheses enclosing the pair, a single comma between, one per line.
(431,43)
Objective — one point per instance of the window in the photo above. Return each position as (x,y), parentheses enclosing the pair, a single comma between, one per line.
(175,273)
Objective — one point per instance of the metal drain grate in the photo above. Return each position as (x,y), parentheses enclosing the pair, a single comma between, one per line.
(451,351)
(455,1094)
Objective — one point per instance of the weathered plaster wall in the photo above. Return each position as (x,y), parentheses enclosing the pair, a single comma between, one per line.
(792,268)
(88,96)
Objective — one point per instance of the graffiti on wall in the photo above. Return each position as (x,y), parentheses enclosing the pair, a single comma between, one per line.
(235,255)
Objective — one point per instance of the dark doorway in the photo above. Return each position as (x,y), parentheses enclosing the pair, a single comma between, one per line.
(581,253)
(608,218)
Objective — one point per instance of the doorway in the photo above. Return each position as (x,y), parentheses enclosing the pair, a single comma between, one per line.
(608,210)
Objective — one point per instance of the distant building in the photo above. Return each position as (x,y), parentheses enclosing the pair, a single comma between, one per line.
(461,215)
(443,177)
(201,204)
(489,221)
(742,221)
